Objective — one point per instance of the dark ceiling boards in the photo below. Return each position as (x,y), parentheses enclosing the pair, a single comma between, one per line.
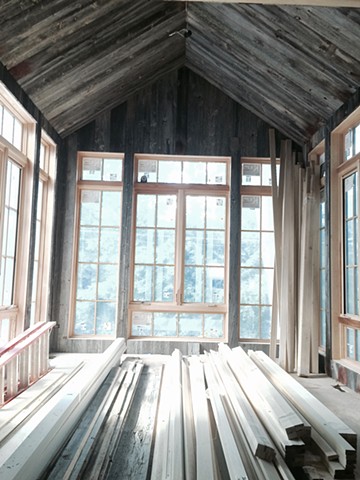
(291,66)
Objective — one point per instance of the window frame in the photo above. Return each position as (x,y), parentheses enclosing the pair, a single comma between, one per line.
(182,189)
(93,185)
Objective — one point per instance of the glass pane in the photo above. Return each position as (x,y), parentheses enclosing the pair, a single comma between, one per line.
(357,342)
(195,212)
(141,324)
(267,216)
(216,173)
(349,195)
(323,289)
(194,281)
(249,286)
(86,282)
(214,326)
(214,292)
(145,210)
(110,209)
(9,281)
(40,200)
(169,172)
(267,281)
(112,170)
(35,281)
(166,211)
(42,156)
(322,210)
(266,175)
(91,168)
(143,283)
(144,245)
(164,284)
(251,173)
(147,171)
(1,118)
(348,140)
(323,328)
(90,207)
(84,318)
(11,233)
(265,313)
(249,322)
(350,343)
(165,247)
(190,325)
(267,250)
(215,212)
(194,247)
(15,185)
(105,318)
(8,126)
(322,248)
(250,249)
(17,134)
(109,245)
(6,219)
(215,248)
(88,244)
(107,283)
(165,324)
(194,172)
(349,245)
(357,139)
(349,290)
(250,212)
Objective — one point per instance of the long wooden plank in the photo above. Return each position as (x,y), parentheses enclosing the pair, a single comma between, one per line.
(330,427)
(189,432)
(314,3)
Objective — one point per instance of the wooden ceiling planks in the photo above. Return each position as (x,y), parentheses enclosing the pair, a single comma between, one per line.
(291,66)
(314,3)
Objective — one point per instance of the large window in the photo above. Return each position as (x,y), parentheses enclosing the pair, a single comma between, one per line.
(95,289)
(16,171)
(179,280)
(257,250)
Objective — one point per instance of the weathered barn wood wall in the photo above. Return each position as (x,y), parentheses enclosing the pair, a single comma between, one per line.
(180,114)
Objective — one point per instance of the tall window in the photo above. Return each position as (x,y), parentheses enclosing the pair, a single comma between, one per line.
(99,190)
(43,230)
(323,283)
(346,159)
(179,280)
(257,250)
(16,156)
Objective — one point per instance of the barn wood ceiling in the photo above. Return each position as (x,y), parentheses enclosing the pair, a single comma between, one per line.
(291,66)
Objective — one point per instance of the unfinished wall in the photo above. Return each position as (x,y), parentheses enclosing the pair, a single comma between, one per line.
(181,114)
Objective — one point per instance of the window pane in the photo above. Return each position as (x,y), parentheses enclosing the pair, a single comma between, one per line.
(216,173)
(14,189)
(165,324)
(250,212)
(112,170)
(267,281)
(166,211)
(195,211)
(194,173)
(17,134)
(249,322)
(86,281)
(215,248)
(147,171)
(8,281)
(107,283)
(349,289)
(109,245)
(215,212)
(213,326)
(141,324)
(8,126)
(214,292)
(110,209)
(145,210)
(105,318)
(265,313)
(267,250)
(84,318)
(194,247)
(266,175)
(194,284)
(190,325)
(164,284)
(88,244)
(90,207)
(357,139)
(357,340)
(165,247)
(91,169)
(11,232)
(267,216)
(323,328)
(143,283)
(251,174)
(250,249)
(350,343)
(144,245)
(169,172)
(250,286)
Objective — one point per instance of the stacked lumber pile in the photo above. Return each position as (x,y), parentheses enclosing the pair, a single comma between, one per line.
(230,415)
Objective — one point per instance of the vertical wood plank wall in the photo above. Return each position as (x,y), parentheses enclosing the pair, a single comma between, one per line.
(180,114)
